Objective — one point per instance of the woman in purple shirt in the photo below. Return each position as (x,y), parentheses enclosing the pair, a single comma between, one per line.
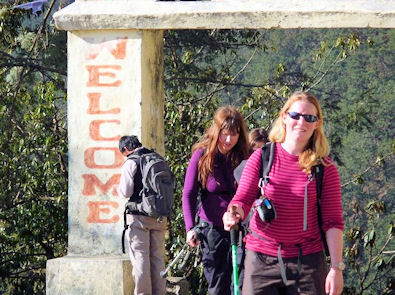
(222,147)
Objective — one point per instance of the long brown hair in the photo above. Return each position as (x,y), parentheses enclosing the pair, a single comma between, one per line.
(225,118)
(317,149)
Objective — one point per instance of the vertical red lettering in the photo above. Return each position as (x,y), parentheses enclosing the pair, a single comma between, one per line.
(89,157)
(94,130)
(94,105)
(95,72)
(91,181)
(116,47)
(102,207)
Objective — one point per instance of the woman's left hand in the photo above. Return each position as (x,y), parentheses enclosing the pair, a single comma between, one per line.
(334,282)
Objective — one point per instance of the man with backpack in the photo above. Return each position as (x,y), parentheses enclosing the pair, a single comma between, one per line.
(148,183)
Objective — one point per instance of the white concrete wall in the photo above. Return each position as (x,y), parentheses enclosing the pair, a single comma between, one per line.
(104,103)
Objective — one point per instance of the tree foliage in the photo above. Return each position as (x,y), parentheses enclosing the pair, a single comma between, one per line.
(33,182)
(262,68)
(351,71)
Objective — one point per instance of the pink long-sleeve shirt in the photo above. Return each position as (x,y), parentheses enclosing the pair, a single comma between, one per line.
(286,189)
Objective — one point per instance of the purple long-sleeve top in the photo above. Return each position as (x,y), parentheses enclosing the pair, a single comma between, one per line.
(220,188)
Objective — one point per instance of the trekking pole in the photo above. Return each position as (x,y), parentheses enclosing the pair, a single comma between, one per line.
(184,262)
(164,273)
(234,230)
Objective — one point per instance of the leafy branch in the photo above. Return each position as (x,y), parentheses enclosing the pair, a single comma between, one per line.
(358,178)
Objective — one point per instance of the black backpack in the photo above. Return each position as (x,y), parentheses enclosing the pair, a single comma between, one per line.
(317,171)
(158,188)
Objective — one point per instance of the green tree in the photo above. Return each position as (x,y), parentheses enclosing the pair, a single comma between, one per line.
(351,71)
(33,182)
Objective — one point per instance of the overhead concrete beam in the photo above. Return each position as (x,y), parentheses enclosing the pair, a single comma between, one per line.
(226,14)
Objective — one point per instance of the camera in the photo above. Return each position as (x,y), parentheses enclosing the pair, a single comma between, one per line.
(265,209)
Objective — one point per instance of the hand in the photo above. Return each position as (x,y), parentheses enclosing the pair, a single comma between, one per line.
(192,238)
(231,219)
(334,282)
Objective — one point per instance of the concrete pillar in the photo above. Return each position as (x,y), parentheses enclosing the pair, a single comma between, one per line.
(115,87)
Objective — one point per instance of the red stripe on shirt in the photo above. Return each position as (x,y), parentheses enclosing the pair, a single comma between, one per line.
(286,190)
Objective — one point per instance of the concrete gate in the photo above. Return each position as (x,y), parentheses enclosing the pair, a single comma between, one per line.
(115,87)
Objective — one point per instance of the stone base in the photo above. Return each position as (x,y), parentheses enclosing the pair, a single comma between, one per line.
(71,275)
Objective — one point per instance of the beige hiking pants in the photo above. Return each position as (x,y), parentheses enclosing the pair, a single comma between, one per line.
(147,248)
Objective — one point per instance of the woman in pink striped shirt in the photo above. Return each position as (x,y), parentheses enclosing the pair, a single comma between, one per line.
(285,255)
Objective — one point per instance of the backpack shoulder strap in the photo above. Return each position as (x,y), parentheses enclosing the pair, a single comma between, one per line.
(318,173)
(267,161)
(200,196)
(137,160)
(134,157)
(266,165)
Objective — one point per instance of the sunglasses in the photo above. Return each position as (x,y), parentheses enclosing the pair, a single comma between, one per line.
(308,118)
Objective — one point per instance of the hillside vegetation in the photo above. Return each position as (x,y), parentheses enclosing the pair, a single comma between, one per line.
(350,71)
